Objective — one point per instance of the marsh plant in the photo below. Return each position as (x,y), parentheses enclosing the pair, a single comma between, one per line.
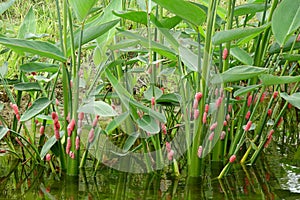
(140,85)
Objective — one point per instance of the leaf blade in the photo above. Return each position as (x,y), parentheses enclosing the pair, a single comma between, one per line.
(35,47)
(38,106)
(285,23)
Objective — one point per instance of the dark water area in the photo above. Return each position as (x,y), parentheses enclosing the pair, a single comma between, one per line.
(275,176)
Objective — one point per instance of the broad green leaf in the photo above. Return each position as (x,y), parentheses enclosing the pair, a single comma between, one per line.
(108,37)
(28,25)
(293,99)
(124,44)
(148,94)
(1,106)
(171,98)
(98,108)
(221,11)
(170,22)
(135,16)
(148,124)
(249,8)
(3,131)
(184,9)
(241,55)
(165,32)
(128,101)
(253,145)
(269,79)
(245,90)
(5,5)
(189,58)
(219,20)
(39,67)
(27,86)
(82,8)
(238,73)
(93,32)
(275,47)
(38,106)
(285,20)
(130,141)
(116,122)
(235,34)
(291,57)
(35,47)
(49,144)
(3,69)
(155,46)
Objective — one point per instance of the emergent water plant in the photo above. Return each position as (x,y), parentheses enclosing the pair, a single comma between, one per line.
(150,83)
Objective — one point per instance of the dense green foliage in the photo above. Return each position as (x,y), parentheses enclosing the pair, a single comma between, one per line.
(145,84)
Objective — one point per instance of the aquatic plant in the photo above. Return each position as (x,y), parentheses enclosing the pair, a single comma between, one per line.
(145,84)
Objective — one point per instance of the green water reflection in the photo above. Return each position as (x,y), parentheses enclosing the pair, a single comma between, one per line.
(274,176)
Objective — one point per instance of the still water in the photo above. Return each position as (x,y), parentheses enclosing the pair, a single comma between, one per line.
(275,176)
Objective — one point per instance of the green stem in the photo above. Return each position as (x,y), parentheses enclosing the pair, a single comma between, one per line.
(230,12)
(195,164)
(73,164)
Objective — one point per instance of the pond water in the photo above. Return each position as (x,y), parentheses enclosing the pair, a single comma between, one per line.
(275,176)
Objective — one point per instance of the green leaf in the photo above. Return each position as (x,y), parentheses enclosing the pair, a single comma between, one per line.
(124,44)
(171,98)
(189,58)
(28,25)
(238,73)
(221,10)
(39,67)
(116,122)
(128,101)
(3,131)
(130,142)
(253,145)
(148,94)
(235,34)
(135,16)
(155,46)
(285,20)
(219,20)
(275,47)
(98,108)
(293,99)
(241,55)
(107,38)
(38,106)
(170,22)
(82,8)
(92,32)
(1,106)
(3,69)
(250,8)
(148,124)
(49,144)
(168,36)
(27,86)
(184,9)
(5,5)
(244,90)
(269,79)
(291,57)
(35,47)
